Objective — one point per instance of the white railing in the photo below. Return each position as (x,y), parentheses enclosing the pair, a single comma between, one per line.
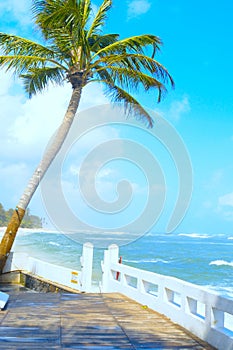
(79,280)
(205,314)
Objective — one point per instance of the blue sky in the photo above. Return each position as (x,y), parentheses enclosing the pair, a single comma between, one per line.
(197,51)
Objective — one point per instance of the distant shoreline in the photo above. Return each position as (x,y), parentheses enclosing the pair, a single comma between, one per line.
(23,230)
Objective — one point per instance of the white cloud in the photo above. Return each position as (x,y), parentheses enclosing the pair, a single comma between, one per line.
(226,200)
(225,206)
(16,10)
(6,83)
(13,178)
(28,124)
(207,204)
(138,7)
(40,116)
(26,127)
(92,96)
(178,108)
(215,180)
(105,173)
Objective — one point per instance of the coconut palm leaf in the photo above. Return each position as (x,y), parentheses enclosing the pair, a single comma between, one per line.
(133,44)
(97,42)
(20,64)
(13,44)
(131,79)
(131,105)
(38,78)
(71,15)
(146,64)
(135,63)
(119,95)
(100,17)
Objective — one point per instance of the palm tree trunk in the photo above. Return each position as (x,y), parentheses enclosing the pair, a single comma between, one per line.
(50,154)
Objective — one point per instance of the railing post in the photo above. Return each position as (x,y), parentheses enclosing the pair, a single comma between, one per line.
(141,287)
(217,318)
(16,261)
(86,267)
(110,256)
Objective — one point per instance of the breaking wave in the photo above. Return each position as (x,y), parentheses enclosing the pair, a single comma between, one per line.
(195,235)
(221,263)
(148,261)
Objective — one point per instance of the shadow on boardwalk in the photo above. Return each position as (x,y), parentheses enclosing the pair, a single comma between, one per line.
(34,320)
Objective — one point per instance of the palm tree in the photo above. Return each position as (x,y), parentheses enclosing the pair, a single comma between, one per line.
(77,51)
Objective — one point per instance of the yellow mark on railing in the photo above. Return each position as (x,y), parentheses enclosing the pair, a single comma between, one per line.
(74,277)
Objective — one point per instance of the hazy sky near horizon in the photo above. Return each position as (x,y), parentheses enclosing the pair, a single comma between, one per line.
(197,51)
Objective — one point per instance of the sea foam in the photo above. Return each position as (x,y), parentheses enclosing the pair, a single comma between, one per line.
(194,235)
(148,261)
(221,263)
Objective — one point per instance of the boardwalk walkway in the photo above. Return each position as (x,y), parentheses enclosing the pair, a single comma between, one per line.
(35,320)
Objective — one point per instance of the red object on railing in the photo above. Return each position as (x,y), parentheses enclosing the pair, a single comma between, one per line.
(118,273)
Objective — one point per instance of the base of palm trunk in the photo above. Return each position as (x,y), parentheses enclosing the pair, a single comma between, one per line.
(9,235)
(3,259)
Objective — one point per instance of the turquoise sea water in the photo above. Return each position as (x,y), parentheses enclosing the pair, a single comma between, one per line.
(197,258)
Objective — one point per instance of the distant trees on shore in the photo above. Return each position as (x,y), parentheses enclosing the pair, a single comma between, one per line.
(29,221)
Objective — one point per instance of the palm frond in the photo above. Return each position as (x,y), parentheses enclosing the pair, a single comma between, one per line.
(135,44)
(61,14)
(38,78)
(100,17)
(97,42)
(136,62)
(85,9)
(131,105)
(103,75)
(49,14)
(132,80)
(13,44)
(20,64)
(64,23)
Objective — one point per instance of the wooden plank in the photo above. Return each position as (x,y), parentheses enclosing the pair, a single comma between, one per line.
(87,321)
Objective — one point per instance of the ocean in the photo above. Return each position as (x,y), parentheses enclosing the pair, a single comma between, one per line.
(203,259)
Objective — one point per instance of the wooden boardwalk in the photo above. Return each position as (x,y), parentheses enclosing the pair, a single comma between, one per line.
(35,320)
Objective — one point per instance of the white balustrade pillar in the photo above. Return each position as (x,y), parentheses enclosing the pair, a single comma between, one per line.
(113,253)
(110,256)
(86,267)
(16,261)
(217,318)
